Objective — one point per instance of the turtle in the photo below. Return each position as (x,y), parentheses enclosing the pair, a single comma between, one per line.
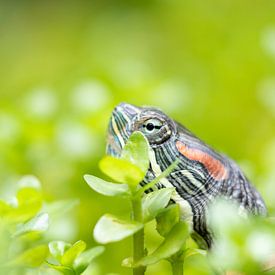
(201,176)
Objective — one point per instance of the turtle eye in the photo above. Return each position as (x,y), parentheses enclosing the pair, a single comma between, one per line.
(151,126)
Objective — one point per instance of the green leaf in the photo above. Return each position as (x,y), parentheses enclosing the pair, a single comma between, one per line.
(33,257)
(194,251)
(155,202)
(132,167)
(121,170)
(28,195)
(167,219)
(58,248)
(107,188)
(59,208)
(29,181)
(85,258)
(29,204)
(112,229)
(136,151)
(4,208)
(63,269)
(39,223)
(72,253)
(171,245)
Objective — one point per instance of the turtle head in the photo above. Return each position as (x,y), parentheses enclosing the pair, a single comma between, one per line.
(126,119)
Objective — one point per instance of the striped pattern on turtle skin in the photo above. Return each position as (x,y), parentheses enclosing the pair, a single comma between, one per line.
(201,175)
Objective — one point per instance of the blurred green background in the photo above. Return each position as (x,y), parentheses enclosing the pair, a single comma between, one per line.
(64,65)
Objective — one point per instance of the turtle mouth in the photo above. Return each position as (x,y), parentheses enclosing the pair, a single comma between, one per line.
(119,129)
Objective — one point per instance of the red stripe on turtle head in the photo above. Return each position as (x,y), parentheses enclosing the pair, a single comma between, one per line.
(214,167)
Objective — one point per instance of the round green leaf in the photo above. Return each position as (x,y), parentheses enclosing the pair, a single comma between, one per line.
(194,251)
(112,229)
(32,257)
(72,253)
(167,219)
(85,258)
(57,209)
(62,269)
(121,170)
(29,201)
(4,208)
(39,223)
(107,188)
(58,248)
(155,202)
(29,181)
(170,246)
(136,151)
(28,195)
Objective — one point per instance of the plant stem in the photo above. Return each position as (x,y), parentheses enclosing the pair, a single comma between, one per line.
(164,174)
(177,262)
(177,267)
(138,241)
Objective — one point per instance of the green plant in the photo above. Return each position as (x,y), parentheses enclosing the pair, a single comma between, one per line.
(22,224)
(243,244)
(127,172)
(23,221)
(72,259)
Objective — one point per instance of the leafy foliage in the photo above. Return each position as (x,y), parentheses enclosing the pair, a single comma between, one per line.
(72,259)
(22,226)
(23,222)
(242,244)
(172,244)
(109,228)
(209,64)
(107,188)
(154,203)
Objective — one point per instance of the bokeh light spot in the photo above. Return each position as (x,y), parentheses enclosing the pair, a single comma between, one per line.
(40,103)
(172,95)
(268,40)
(266,94)
(76,140)
(89,97)
(261,245)
(9,128)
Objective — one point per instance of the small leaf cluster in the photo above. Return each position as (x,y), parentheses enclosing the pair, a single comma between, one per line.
(72,259)
(127,172)
(22,223)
